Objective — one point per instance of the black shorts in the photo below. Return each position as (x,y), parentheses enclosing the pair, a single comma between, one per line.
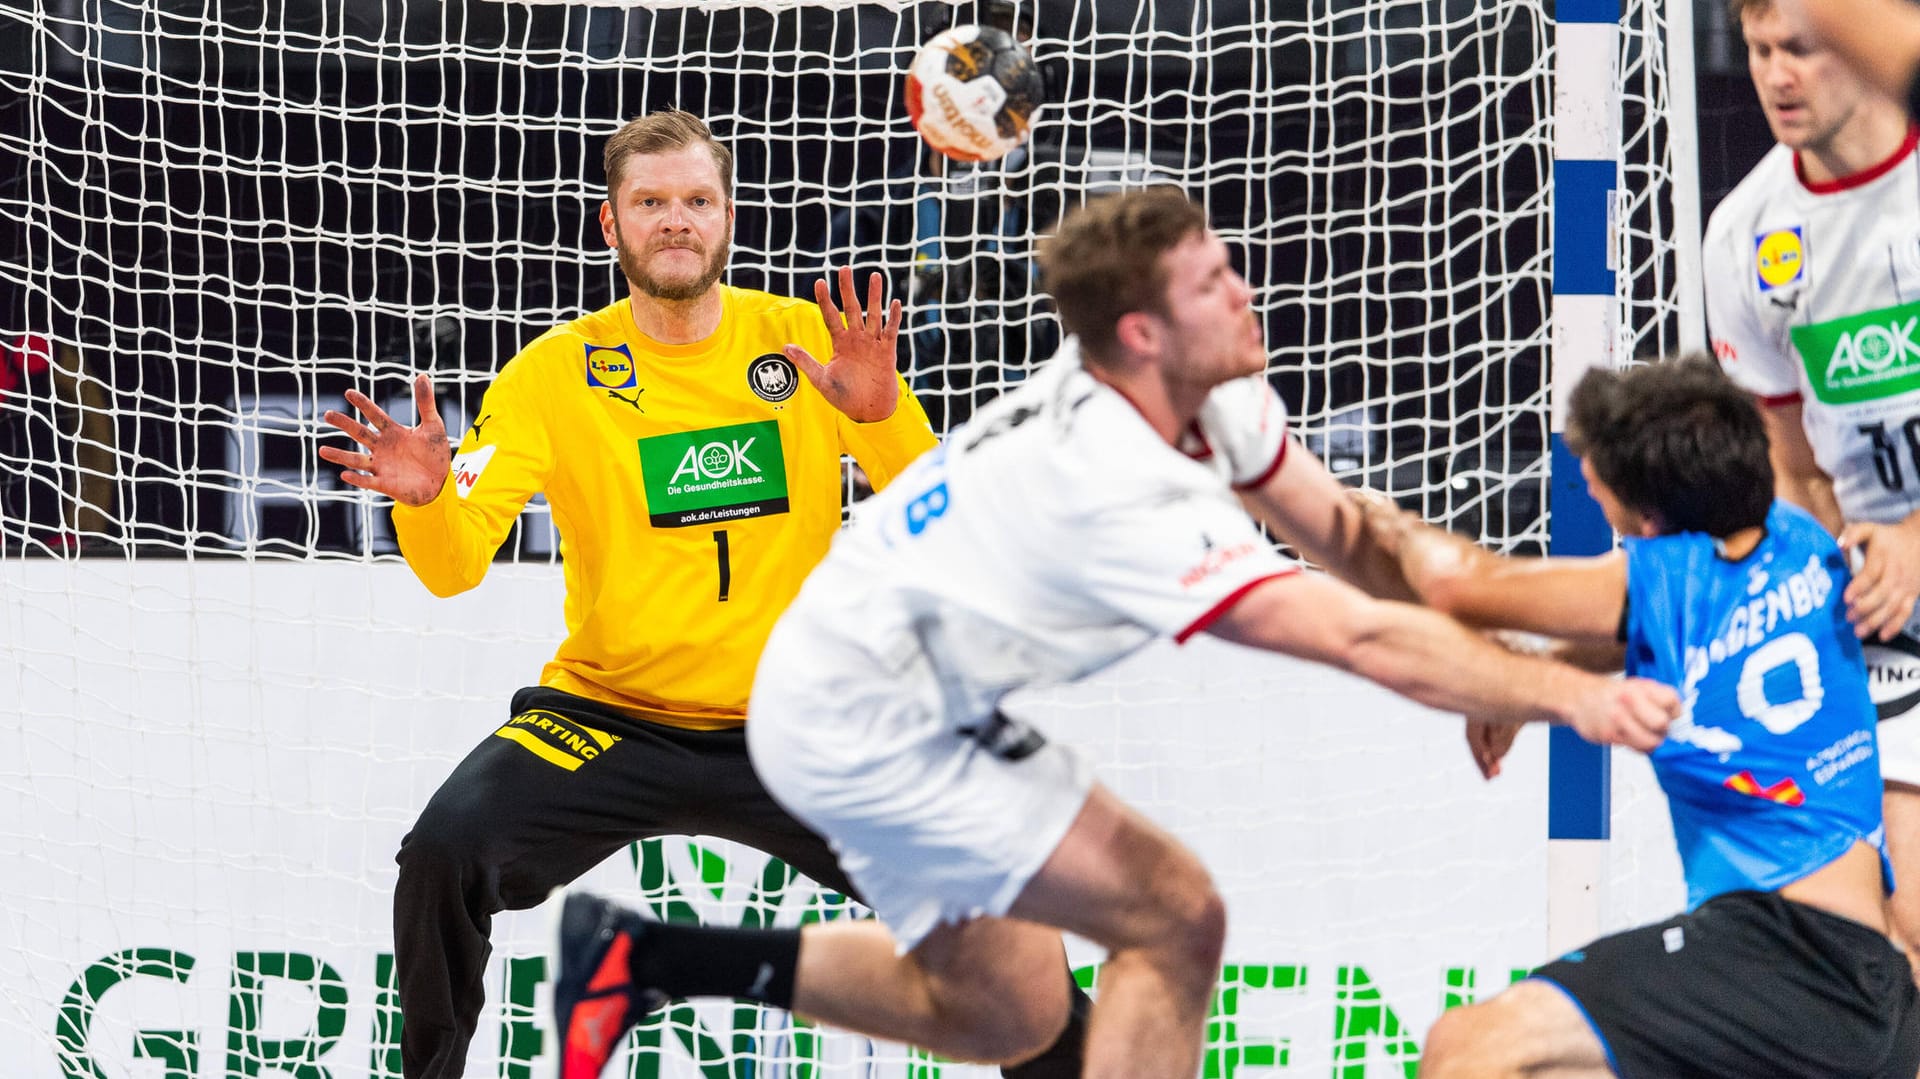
(1749,984)
(541,802)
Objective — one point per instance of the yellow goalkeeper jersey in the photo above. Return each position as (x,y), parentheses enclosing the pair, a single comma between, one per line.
(693,487)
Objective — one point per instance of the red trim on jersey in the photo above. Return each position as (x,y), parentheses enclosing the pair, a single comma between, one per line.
(1775,400)
(1867,176)
(1205,451)
(1278,459)
(1214,612)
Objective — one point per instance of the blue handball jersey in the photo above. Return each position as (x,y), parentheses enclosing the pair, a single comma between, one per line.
(1772,770)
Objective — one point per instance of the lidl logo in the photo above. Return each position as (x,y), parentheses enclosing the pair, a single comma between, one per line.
(1779,258)
(611,368)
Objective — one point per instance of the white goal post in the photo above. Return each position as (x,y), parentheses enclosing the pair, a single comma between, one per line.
(223,699)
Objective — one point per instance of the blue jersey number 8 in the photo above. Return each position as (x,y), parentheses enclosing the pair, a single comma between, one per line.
(930,504)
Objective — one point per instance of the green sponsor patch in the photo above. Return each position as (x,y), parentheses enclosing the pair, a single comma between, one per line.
(716,475)
(1862,357)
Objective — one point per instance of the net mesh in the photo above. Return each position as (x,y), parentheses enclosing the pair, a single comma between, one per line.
(232,216)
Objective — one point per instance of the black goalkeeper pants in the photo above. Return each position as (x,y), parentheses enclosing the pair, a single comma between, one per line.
(535,805)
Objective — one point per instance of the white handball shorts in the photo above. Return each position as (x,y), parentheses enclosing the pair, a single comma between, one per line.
(935,820)
(1893,677)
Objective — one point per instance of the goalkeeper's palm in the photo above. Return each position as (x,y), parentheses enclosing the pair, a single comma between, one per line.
(407,464)
(862,380)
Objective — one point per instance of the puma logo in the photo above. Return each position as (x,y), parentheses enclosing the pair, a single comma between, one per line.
(479,423)
(634,400)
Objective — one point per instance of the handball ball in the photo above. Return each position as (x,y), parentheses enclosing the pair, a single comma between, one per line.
(971,92)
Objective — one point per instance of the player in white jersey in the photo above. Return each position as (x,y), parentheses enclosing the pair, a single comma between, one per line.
(1096,507)
(1813,297)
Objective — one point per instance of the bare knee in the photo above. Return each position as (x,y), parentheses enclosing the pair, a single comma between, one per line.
(1458,1043)
(1529,1029)
(1191,921)
(998,990)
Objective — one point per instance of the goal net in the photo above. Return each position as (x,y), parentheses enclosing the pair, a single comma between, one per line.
(223,699)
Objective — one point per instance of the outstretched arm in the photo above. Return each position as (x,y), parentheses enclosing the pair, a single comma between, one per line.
(448,536)
(1577,600)
(1306,506)
(1429,657)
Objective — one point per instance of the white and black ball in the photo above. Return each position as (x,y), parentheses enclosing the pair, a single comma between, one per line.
(972,91)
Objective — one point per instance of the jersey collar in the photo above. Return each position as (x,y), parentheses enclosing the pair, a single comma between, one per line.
(1863,177)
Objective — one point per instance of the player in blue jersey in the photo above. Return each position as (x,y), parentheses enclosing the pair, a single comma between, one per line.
(1781,965)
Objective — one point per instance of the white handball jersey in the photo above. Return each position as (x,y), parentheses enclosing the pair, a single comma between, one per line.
(1813,294)
(1050,536)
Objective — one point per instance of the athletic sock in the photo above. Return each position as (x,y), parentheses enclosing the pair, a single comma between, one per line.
(702,961)
(1063,1058)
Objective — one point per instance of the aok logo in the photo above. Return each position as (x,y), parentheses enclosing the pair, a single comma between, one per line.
(1862,358)
(717,460)
(1870,350)
(713,474)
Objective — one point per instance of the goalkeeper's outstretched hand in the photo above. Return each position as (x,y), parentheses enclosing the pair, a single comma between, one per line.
(407,464)
(860,379)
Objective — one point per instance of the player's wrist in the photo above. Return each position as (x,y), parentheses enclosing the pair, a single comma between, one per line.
(1570,694)
(873,413)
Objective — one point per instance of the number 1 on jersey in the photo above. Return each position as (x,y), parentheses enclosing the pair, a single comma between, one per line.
(726,567)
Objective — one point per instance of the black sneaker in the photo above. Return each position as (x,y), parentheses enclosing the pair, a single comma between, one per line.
(595,1001)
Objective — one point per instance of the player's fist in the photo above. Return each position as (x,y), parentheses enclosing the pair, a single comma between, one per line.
(1489,743)
(1630,712)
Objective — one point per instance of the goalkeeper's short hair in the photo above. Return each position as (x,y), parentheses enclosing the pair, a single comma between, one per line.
(663,132)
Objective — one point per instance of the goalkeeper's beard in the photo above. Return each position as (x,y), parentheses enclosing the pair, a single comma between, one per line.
(633,265)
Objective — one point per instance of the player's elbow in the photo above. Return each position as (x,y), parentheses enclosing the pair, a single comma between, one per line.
(446,589)
(444,579)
